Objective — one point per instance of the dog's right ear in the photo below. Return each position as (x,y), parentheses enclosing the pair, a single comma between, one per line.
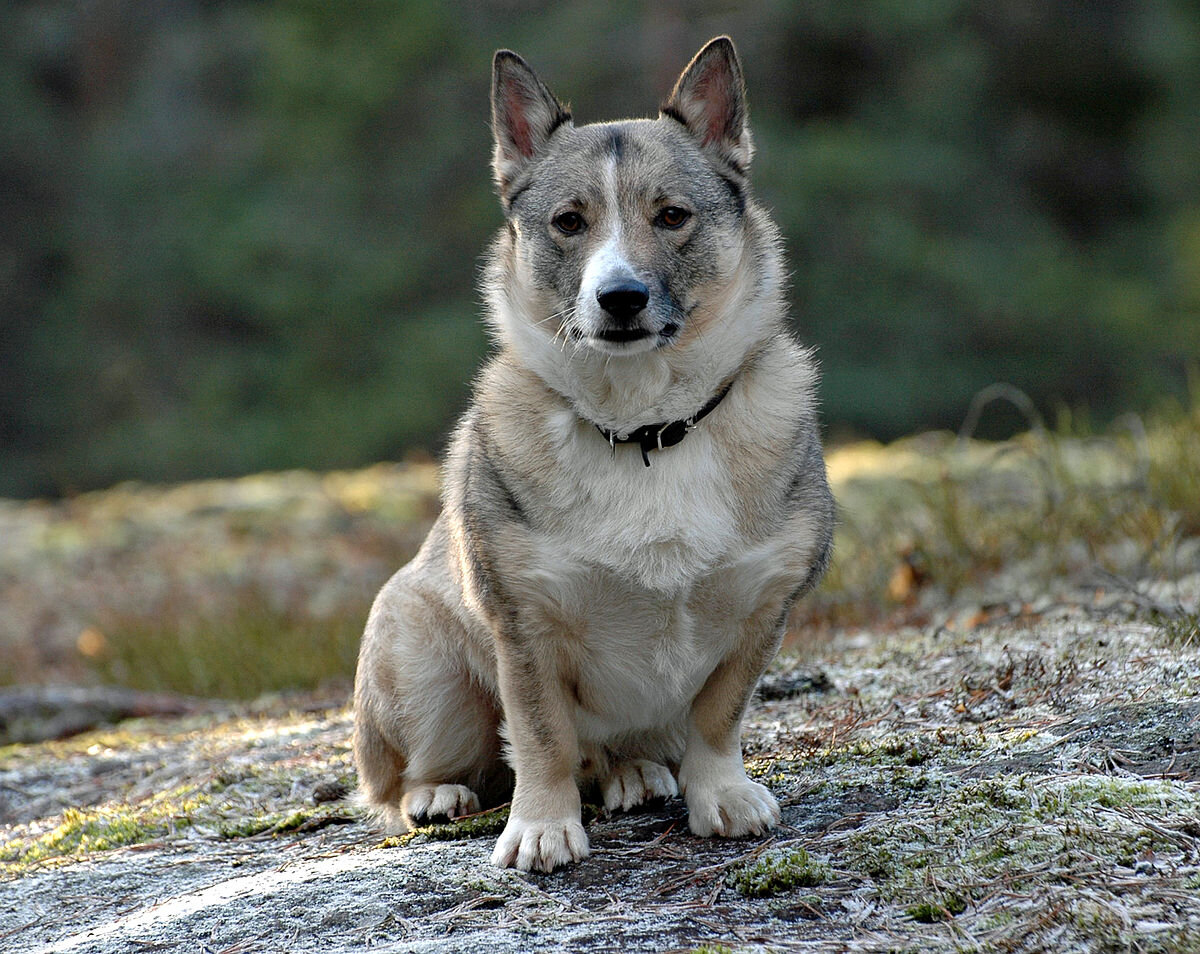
(524,116)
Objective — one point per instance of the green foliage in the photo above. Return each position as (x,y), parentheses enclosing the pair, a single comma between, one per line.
(969,213)
(247,237)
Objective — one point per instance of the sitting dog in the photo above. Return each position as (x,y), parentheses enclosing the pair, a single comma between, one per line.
(632,503)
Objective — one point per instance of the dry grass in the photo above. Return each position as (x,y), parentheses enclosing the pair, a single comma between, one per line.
(229,588)
(928,518)
(241,653)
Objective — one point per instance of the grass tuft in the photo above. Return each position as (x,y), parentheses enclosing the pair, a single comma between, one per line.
(1181,631)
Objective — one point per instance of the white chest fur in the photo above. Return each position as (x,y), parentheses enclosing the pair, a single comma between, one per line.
(660,527)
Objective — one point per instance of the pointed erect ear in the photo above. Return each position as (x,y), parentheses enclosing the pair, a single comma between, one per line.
(524,114)
(710,100)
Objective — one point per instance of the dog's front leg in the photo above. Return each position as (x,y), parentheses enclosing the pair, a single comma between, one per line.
(721,799)
(544,828)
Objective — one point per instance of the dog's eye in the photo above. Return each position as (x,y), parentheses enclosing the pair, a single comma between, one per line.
(569,223)
(672,217)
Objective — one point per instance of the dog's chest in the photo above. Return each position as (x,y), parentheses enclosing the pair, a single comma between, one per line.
(628,566)
(661,527)
(640,660)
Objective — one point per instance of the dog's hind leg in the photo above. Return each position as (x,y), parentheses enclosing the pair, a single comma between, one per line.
(631,782)
(426,738)
(454,755)
(637,769)
(380,772)
(435,756)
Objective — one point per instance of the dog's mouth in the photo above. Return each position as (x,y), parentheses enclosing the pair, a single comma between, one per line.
(622,335)
(646,337)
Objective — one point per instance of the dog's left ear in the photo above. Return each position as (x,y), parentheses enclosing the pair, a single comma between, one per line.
(710,100)
(524,115)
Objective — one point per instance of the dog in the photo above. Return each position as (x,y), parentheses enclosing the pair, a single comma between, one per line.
(632,503)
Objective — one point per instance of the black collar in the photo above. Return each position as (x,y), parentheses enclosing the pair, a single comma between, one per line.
(657,436)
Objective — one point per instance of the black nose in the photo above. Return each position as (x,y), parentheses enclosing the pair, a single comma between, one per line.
(623,299)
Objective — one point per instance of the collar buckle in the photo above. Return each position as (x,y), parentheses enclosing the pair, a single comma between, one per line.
(650,436)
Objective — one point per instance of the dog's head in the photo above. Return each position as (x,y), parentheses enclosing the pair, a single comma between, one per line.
(628,237)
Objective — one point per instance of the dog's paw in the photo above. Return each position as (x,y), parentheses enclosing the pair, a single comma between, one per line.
(435,801)
(540,845)
(740,808)
(636,781)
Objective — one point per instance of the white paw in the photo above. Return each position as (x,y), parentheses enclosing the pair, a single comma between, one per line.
(431,801)
(637,781)
(540,845)
(740,808)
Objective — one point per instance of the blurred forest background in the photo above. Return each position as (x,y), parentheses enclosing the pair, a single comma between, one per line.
(239,235)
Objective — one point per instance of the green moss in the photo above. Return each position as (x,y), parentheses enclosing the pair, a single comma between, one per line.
(942,909)
(769,772)
(247,827)
(481,825)
(876,860)
(915,756)
(304,819)
(1011,831)
(81,832)
(909,749)
(95,831)
(777,871)
(482,886)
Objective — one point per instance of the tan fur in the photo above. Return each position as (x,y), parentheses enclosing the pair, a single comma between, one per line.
(573,614)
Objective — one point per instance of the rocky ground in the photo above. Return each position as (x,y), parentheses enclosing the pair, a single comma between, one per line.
(1025,784)
(1001,755)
